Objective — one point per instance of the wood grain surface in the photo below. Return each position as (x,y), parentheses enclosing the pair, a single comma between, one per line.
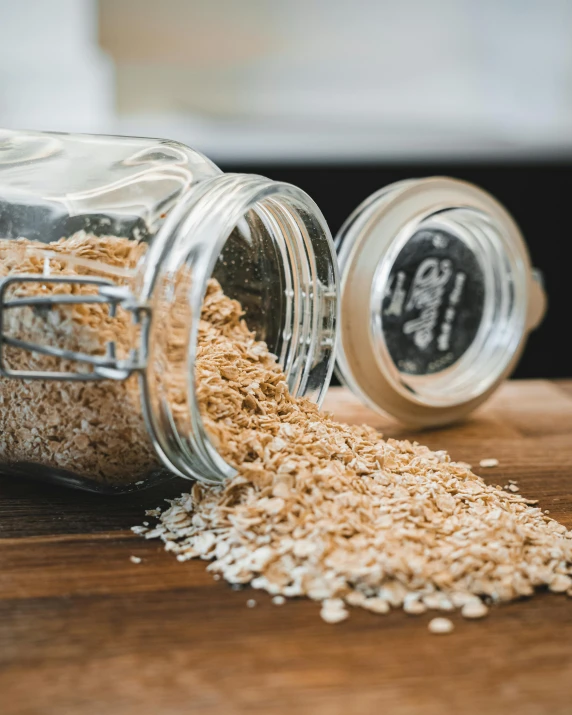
(85,631)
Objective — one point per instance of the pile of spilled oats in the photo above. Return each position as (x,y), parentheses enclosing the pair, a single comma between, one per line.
(338,514)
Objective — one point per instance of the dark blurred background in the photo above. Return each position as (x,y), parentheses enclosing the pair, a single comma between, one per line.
(337,97)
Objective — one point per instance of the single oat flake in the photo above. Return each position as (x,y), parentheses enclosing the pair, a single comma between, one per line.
(339,515)
(441,626)
(474,609)
(333,610)
(488,463)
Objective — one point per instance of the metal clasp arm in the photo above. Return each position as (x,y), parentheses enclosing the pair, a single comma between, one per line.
(104,366)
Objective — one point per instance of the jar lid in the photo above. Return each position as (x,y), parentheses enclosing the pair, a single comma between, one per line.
(437,298)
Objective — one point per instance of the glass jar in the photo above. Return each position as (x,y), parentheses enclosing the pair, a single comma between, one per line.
(107,247)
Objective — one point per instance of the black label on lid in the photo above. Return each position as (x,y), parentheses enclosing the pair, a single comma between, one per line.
(433,304)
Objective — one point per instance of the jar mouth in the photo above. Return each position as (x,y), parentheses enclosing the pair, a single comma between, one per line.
(269,247)
(435,299)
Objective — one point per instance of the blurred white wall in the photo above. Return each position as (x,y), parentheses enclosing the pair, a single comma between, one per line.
(296,79)
(53,75)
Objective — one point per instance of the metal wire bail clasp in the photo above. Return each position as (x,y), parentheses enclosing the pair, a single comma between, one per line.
(104,367)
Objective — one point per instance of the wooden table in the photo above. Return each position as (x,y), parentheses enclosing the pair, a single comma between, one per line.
(85,631)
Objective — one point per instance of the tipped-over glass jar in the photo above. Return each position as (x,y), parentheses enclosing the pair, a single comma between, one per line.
(107,246)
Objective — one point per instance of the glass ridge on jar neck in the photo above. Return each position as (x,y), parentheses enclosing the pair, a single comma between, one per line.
(196,241)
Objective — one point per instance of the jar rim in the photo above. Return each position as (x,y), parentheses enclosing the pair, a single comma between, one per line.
(191,240)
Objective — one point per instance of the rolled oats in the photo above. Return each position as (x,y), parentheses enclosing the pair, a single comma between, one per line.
(441,626)
(340,515)
(333,610)
(488,463)
(474,609)
(93,429)
(560,583)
